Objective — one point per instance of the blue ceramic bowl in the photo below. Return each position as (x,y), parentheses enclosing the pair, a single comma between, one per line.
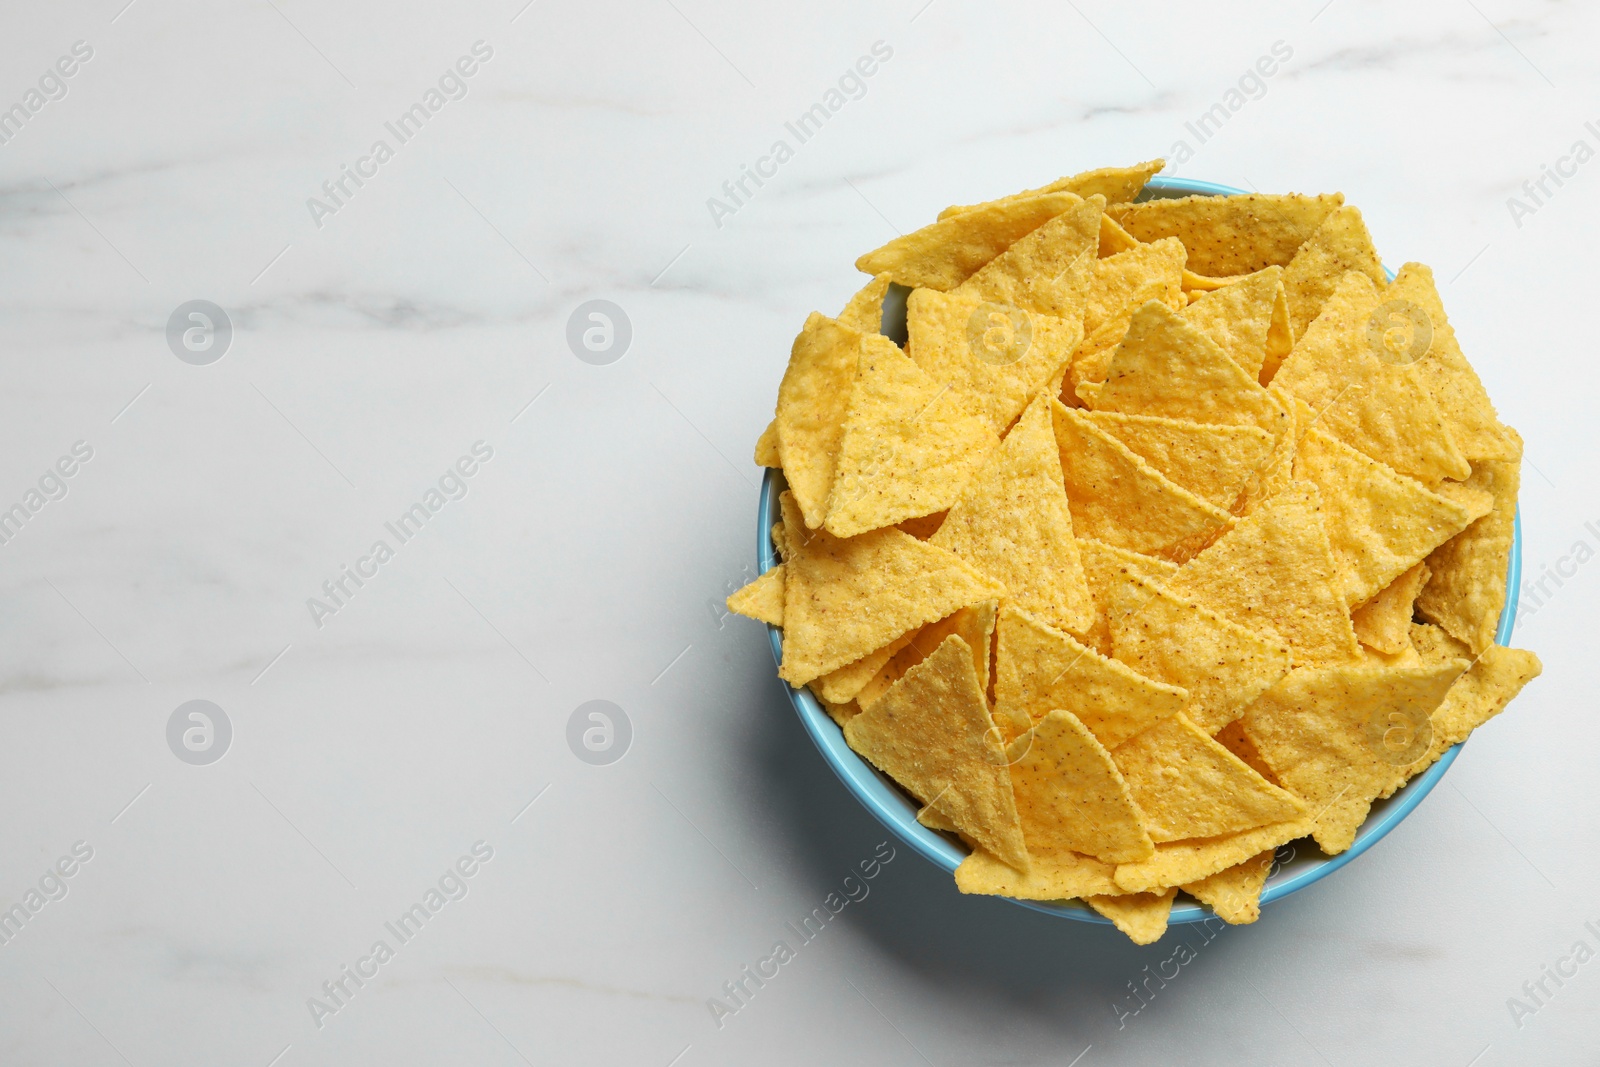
(879,794)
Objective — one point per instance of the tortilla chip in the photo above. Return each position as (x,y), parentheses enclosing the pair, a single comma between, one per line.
(992,357)
(1275,573)
(1380,523)
(931,732)
(1224,666)
(1122,283)
(1384,622)
(1228,235)
(1233,738)
(1102,563)
(846,683)
(1478,696)
(1142,916)
(974,625)
(840,713)
(844,598)
(1059,876)
(1340,737)
(1433,645)
(907,447)
(1070,795)
(1235,894)
(762,599)
(1164,366)
(1118,498)
(1212,461)
(1048,270)
(1276,472)
(1013,524)
(1340,244)
(1039,669)
(1185,862)
(948,252)
(934,819)
(811,407)
(1239,317)
(1373,405)
(1466,590)
(767,454)
(1115,184)
(1449,378)
(1114,239)
(864,312)
(1187,785)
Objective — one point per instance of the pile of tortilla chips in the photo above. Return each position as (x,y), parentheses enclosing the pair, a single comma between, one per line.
(1174,533)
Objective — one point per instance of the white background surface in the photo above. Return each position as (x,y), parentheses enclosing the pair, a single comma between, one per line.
(586,560)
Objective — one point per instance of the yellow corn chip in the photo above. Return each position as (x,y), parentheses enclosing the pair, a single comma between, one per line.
(1228,235)
(762,599)
(934,819)
(1114,238)
(1276,472)
(1211,460)
(1142,916)
(1233,738)
(1187,785)
(1197,285)
(1340,244)
(846,683)
(974,625)
(840,713)
(1118,498)
(1376,406)
(932,733)
(1048,270)
(1091,361)
(1274,573)
(1433,645)
(1380,523)
(811,406)
(1122,283)
(1340,737)
(767,454)
(1164,366)
(1039,669)
(1478,696)
(1102,563)
(1070,795)
(907,447)
(1013,524)
(992,357)
(1115,184)
(948,252)
(1058,876)
(864,312)
(1224,666)
(1235,894)
(1448,377)
(1185,862)
(844,598)
(1467,586)
(1239,317)
(1384,622)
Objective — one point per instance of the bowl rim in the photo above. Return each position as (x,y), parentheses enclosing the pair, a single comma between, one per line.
(889,805)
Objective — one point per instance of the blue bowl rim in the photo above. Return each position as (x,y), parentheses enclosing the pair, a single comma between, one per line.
(890,806)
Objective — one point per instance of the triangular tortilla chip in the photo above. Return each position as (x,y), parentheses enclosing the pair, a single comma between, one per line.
(1373,405)
(1449,378)
(1013,523)
(1057,876)
(1114,239)
(1384,622)
(1118,498)
(767,454)
(1039,669)
(1212,461)
(811,406)
(992,357)
(1116,184)
(907,448)
(931,732)
(1380,523)
(844,598)
(1142,916)
(974,625)
(762,599)
(864,312)
(1070,795)
(1102,563)
(1163,636)
(1186,785)
(1126,281)
(1164,366)
(1228,235)
(1466,589)
(1235,894)
(948,252)
(1478,696)
(1340,244)
(1239,317)
(846,683)
(1274,572)
(1183,862)
(1048,270)
(1340,737)
(840,713)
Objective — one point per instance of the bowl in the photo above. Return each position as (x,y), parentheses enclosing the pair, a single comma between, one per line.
(898,812)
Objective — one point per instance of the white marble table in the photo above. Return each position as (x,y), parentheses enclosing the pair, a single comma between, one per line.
(385,330)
